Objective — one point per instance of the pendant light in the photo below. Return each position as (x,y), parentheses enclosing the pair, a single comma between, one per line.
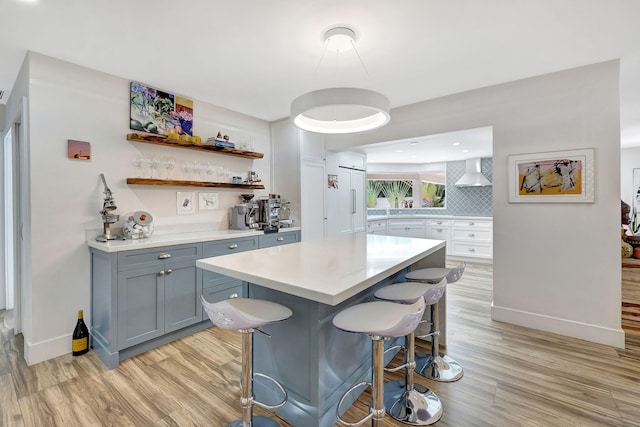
(340,109)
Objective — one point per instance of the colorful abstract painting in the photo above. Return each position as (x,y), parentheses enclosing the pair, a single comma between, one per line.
(558,176)
(155,111)
(554,177)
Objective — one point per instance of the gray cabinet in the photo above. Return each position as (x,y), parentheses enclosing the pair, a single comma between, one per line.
(144,298)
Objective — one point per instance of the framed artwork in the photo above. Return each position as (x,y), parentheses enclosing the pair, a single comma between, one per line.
(332,181)
(636,189)
(207,201)
(80,150)
(552,177)
(185,202)
(154,111)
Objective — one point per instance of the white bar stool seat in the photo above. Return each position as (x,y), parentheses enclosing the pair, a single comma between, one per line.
(379,320)
(437,366)
(246,315)
(406,401)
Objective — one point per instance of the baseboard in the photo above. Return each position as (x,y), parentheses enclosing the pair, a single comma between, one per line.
(570,328)
(47,349)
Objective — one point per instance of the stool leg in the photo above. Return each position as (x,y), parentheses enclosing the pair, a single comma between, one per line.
(377,382)
(408,402)
(437,366)
(246,392)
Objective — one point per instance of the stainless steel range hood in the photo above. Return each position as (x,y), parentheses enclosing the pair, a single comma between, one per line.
(473,175)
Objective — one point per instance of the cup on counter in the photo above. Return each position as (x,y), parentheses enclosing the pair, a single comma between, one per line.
(236,180)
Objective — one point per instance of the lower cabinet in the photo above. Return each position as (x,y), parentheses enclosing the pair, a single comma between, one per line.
(472,238)
(144,298)
(407,228)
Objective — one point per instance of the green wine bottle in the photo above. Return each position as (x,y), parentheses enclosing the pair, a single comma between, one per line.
(80,341)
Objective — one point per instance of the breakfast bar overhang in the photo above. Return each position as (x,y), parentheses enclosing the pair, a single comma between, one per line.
(315,362)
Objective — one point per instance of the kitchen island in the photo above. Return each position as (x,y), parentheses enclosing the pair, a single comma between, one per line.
(314,361)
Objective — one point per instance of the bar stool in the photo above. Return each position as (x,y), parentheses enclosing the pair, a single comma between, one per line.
(406,401)
(379,320)
(437,366)
(247,315)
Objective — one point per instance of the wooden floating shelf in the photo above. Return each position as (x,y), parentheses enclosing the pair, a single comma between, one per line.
(178,143)
(151,181)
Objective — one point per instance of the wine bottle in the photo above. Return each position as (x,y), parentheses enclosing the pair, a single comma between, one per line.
(80,342)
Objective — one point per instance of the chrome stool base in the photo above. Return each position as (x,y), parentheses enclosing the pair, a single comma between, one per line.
(419,406)
(439,368)
(256,422)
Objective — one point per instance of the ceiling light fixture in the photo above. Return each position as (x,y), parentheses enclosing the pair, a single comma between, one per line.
(341,109)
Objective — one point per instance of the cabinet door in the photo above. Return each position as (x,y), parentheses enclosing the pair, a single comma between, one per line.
(183,286)
(313,182)
(340,204)
(140,306)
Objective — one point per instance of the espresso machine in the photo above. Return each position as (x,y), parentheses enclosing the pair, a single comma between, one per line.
(269,209)
(243,216)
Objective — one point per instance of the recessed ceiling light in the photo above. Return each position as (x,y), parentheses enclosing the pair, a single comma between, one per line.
(456,143)
(465,151)
(399,151)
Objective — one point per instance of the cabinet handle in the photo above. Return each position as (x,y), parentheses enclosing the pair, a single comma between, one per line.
(233,245)
(438,222)
(161,273)
(164,255)
(353,201)
(472,223)
(472,250)
(439,230)
(472,235)
(280,239)
(169,271)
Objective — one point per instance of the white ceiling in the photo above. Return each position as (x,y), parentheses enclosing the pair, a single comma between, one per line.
(256,56)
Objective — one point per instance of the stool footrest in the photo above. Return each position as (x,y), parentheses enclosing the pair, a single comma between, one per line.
(344,396)
(277,384)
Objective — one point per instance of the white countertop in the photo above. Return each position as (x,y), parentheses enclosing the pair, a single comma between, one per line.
(157,240)
(329,270)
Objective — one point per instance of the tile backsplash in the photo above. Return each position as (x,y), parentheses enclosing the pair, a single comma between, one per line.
(466,201)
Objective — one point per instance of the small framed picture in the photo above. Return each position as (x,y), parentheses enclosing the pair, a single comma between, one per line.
(185,202)
(207,201)
(79,150)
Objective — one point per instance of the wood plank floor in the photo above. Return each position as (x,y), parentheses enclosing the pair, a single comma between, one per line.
(513,377)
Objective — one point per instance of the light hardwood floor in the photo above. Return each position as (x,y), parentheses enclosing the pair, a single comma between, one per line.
(513,377)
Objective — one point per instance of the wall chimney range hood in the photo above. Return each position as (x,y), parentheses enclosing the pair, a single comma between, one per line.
(473,175)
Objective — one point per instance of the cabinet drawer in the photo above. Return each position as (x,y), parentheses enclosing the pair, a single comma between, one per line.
(472,250)
(143,258)
(475,235)
(472,223)
(277,239)
(440,233)
(439,223)
(229,246)
(373,226)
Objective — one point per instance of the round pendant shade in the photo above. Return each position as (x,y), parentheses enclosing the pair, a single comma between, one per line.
(340,110)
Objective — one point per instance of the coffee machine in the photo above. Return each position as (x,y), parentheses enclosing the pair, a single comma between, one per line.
(269,208)
(243,216)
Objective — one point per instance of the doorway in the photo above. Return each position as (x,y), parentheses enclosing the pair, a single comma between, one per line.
(12,228)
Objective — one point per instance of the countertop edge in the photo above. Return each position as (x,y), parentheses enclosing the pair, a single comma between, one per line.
(176,239)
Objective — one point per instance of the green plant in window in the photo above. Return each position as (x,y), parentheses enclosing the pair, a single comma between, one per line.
(432,195)
(373,190)
(395,191)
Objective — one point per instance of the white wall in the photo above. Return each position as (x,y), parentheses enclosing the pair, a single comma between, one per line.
(72,102)
(556,266)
